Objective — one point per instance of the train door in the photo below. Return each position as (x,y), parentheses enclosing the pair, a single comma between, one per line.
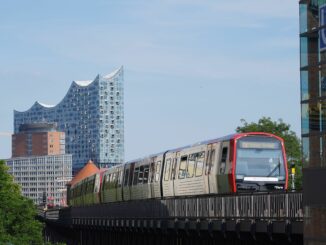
(212,167)
(97,184)
(223,168)
(119,184)
(152,176)
(146,183)
(208,167)
(129,172)
(167,180)
(174,160)
(158,173)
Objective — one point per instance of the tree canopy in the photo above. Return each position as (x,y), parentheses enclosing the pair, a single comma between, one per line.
(283,130)
(17,213)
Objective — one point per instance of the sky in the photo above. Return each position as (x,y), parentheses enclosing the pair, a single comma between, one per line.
(193,68)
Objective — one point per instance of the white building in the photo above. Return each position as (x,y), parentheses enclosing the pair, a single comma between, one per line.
(42,174)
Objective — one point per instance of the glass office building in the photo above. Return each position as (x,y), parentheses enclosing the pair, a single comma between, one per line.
(313,117)
(41,176)
(92,117)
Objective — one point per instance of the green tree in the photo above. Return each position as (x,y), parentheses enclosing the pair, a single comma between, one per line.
(283,130)
(17,214)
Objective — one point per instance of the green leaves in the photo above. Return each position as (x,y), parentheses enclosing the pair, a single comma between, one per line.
(283,130)
(17,214)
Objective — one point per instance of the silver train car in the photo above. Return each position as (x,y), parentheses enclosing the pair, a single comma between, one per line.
(236,163)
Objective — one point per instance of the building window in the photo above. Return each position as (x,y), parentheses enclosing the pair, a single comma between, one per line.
(304,118)
(303,18)
(303,51)
(304,85)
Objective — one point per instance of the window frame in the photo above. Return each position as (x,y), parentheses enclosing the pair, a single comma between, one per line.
(167,169)
(202,158)
(182,175)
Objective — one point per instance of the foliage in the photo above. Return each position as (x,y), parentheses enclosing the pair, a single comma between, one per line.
(281,129)
(17,214)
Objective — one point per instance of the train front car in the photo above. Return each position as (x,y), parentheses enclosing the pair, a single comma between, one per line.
(260,163)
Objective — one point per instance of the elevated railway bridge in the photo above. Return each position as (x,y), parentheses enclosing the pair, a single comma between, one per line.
(252,218)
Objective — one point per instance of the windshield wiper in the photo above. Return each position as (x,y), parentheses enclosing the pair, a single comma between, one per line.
(274,169)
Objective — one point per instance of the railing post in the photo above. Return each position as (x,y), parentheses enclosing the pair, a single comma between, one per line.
(252,206)
(269,205)
(287,204)
(223,210)
(237,206)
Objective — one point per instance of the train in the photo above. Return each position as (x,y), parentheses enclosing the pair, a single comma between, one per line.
(241,162)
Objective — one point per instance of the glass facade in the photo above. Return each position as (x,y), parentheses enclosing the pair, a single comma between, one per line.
(304,85)
(313,110)
(41,175)
(92,117)
(303,18)
(303,51)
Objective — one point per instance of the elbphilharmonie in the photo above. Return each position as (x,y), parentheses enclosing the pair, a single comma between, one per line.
(92,117)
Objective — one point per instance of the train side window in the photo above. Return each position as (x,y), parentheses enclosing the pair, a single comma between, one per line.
(108,178)
(146,173)
(117,177)
(141,175)
(131,173)
(135,179)
(167,170)
(152,172)
(191,166)
(223,160)
(93,184)
(200,163)
(83,187)
(182,168)
(120,178)
(97,183)
(88,184)
(113,179)
(103,182)
(209,161)
(174,164)
(158,171)
(106,183)
(126,177)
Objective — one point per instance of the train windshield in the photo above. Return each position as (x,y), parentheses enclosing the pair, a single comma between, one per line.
(259,156)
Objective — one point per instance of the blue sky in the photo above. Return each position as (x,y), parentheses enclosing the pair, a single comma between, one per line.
(193,68)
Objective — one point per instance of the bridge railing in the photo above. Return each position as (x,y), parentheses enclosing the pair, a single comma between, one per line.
(268,206)
(275,206)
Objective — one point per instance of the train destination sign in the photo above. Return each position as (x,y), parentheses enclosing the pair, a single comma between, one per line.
(259,145)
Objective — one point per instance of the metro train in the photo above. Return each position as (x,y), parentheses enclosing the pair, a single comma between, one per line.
(240,162)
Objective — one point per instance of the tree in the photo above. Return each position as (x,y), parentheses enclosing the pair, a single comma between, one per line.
(281,129)
(17,213)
